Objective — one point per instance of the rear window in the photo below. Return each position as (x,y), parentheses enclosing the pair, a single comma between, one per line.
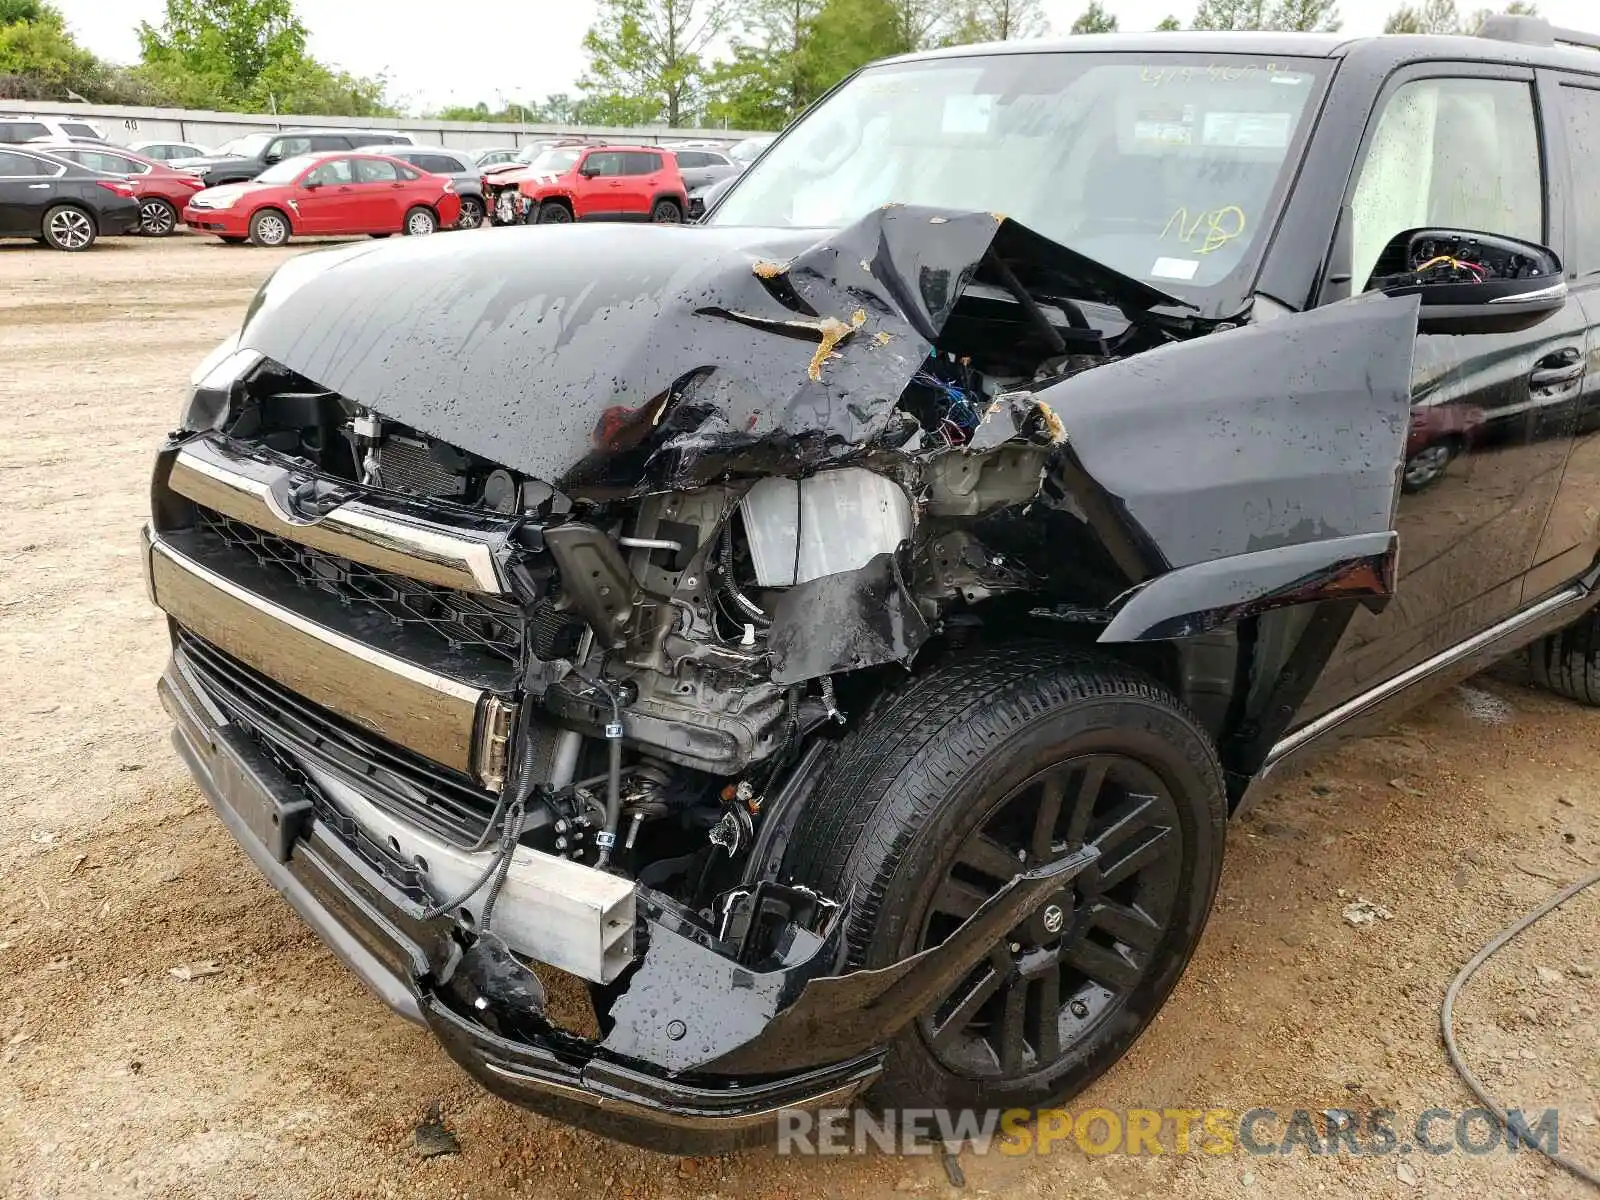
(21,131)
(637,162)
(78,129)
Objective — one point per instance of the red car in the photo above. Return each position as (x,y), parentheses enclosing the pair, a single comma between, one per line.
(327,194)
(162,191)
(601,183)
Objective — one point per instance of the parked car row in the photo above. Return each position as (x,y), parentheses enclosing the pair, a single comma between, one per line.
(270,186)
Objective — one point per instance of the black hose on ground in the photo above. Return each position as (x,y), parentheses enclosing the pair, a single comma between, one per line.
(1447,1021)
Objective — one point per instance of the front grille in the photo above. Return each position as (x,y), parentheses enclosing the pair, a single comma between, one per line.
(462,619)
(287,726)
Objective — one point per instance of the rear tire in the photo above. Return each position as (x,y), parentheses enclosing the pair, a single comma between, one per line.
(667,212)
(992,763)
(420,222)
(471,213)
(157,217)
(269,227)
(1568,661)
(68,227)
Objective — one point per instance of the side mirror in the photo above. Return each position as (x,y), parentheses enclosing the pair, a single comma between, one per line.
(1471,282)
(271,156)
(311,185)
(588,172)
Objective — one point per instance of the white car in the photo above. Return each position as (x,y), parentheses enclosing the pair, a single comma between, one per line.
(168,151)
(15,130)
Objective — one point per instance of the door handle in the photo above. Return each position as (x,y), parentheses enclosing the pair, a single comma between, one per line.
(37,187)
(1557,370)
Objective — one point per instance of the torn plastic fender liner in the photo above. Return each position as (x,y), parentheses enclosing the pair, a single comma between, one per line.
(1225,449)
(634,357)
(739,1021)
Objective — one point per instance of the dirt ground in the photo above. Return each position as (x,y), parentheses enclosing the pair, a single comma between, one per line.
(280,1076)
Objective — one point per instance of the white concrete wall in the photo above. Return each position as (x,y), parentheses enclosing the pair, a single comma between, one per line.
(210,129)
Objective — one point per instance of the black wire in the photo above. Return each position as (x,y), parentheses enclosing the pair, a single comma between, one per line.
(500,863)
(1447,1022)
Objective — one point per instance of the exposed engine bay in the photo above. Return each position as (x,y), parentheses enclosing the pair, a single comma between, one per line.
(682,644)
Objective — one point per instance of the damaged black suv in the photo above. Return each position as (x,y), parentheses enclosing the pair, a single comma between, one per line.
(838,633)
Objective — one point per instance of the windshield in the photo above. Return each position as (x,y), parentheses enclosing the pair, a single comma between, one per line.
(248,146)
(557,162)
(1167,167)
(286,171)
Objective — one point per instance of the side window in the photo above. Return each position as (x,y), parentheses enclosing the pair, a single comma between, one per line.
(1580,109)
(13,166)
(335,170)
(78,129)
(604,163)
(640,163)
(290,146)
(1462,153)
(437,164)
(21,131)
(693,158)
(408,174)
(326,141)
(375,170)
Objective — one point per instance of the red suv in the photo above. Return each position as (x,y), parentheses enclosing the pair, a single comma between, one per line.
(578,183)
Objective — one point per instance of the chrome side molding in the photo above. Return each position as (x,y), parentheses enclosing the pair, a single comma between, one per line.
(1335,717)
(252,491)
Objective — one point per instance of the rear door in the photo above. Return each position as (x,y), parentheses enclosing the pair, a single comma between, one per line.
(382,196)
(27,188)
(1461,146)
(639,169)
(1571,538)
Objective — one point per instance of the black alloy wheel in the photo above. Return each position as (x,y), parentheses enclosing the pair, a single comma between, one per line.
(1045,988)
(994,761)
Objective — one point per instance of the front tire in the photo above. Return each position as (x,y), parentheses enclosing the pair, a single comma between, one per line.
(555,214)
(420,222)
(70,228)
(471,213)
(990,764)
(269,227)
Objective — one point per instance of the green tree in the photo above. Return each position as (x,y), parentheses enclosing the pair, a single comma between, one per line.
(747,93)
(1169,25)
(645,57)
(1231,14)
(1094,19)
(997,21)
(1441,16)
(39,59)
(1305,16)
(848,34)
(247,55)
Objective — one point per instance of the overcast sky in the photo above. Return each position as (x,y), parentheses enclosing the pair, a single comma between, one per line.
(526,50)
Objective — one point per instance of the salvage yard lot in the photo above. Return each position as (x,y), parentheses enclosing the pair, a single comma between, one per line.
(278,1076)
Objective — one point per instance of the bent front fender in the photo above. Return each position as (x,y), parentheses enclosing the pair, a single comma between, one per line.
(1248,469)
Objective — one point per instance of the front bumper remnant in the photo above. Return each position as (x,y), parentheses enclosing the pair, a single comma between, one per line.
(702,1053)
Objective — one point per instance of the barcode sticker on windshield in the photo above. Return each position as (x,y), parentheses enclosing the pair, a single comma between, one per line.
(1247,130)
(1174,268)
(968,114)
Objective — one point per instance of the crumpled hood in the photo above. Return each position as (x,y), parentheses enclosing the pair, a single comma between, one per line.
(636,357)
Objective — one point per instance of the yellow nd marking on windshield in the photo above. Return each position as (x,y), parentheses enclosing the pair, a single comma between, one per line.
(1215,229)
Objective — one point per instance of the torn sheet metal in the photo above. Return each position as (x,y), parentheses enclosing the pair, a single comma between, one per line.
(637,357)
